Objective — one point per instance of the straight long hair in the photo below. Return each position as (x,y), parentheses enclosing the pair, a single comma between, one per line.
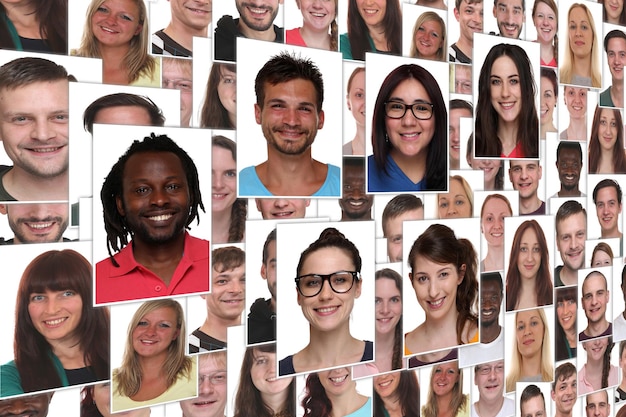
(407,393)
(566,73)
(618,159)
(52,18)
(358,32)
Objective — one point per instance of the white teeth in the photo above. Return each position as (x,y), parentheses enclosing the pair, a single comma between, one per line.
(45,150)
(326,309)
(386,383)
(160,218)
(357,203)
(339,379)
(55,322)
(436,303)
(39,225)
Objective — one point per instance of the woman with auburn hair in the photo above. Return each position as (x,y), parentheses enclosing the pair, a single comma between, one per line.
(506,131)
(566,333)
(548,93)
(445,392)
(219,110)
(117,32)
(57,286)
(34,26)
(429,37)
(531,359)
(154,367)
(409,104)
(439,259)
(260,393)
(528,281)
(545,15)
(380,31)
(228,212)
(602,255)
(319,25)
(495,208)
(606,143)
(396,394)
(96,402)
(355,98)
(333,394)
(581,63)
(458,202)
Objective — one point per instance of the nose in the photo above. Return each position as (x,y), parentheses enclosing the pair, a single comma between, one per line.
(326,293)
(291,117)
(42,130)
(217,181)
(52,306)
(206,387)
(383,307)
(578,32)
(433,288)
(159,197)
(505,89)
(281,203)
(235,286)
(409,118)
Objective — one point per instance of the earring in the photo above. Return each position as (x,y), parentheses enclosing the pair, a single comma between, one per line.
(386,138)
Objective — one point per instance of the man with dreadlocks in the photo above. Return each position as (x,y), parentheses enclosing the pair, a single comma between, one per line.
(152,194)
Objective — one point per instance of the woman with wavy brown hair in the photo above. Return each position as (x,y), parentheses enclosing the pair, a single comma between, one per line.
(333,394)
(396,394)
(35,26)
(606,143)
(220,106)
(60,338)
(528,280)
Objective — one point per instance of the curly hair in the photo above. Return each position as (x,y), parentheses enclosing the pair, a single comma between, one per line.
(239,209)
(358,32)
(315,401)
(430,17)
(137,60)
(213,113)
(114,223)
(248,400)
(487,119)
(439,244)
(595,153)
(566,73)
(127,377)
(543,282)
(396,358)
(58,271)
(52,18)
(460,401)
(407,391)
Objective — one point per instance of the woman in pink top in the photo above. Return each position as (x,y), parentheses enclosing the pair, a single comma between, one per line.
(319,25)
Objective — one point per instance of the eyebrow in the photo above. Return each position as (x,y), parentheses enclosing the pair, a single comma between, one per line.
(281,101)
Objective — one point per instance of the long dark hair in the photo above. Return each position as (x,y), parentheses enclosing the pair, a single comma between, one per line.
(407,392)
(437,166)
(214,114)
(543,283)
(52,15)
(58,271)
(562,350)
(248,401)
(358,33)
(315,402)
(487,142)
(396,358)
(619,160)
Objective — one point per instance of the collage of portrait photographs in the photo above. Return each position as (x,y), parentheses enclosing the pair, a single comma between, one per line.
(450,243)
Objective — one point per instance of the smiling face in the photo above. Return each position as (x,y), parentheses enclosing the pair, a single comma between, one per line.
(227,92)
(595,349)
(212,378)
(155,197)
(510,17)
(614,9)
(56,314)
(429,39)
(548,100)
(529,333)
(455,203)
(388,305)
(489,379)
(282,208)
(372,12)
(569,165)
(224,179)
(545,23)
(409,136)
(608,209)
(595,297)
(607,130)
(571,233)
(36,223)
(444,377)
(228,293)
(470,18)
(356,98)
(155,332)
(355,203)
(328,310)
(193,14)
(616,55)
(492,221)
(580,33)
(506,92)
(317,15)
(529,257)
(436,286)
(566,314)
(337,381)
(257,16)
(116,22)
(263,374)
(564,394)
(490,303)
(525,176)
(576,102)
(387,384)
(601,258)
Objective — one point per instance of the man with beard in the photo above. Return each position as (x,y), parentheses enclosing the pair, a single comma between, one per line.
(289,93)
(35,222)
(571,233)
(262,316)
(189,18)
(256,21)
(569,163)
(152,194)
(564,389)
(355,204)
(510,17)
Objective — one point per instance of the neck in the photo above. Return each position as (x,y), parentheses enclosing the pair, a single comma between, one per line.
(569,192)
(494,258)
(607,234)
(569,276)
(546,51)
(582,67)
(276,401)
(315,38)
(220,225)
(489,408)
(384,351)
(597,328)
(531,366)
(617,92)
(69,353)
(413,167)
(358,142)
(25,186)
(465,45)
(155,254)
(216,326)
(529,204)
(347,402)
(490,332)
(507,133)
(183,34)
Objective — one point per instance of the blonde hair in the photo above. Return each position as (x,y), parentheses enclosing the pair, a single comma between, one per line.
(137,60)
(566,73)
(459,400)
(127,377)
(429,17)
(547,368)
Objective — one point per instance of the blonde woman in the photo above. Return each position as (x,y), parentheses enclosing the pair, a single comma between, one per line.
(445,393)
(581,64)
(531,360)
(154,368)
(117,32)
(458,202)
(429,37)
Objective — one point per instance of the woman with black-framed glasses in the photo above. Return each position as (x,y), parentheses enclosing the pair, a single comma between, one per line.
(409,134)
(328,281)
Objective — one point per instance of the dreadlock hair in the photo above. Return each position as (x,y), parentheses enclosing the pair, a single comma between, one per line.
(114,224)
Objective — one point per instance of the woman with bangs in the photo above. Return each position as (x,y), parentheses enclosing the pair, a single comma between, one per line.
(154,366)
(319,25)
(445,392)
(566,335)
(60,339)
(581,64)
(429,37)
(372,28)
(220,102)
(531,359)
(606,144)
(117,32)
(443,265)
(260,393)
(528,280)
(396,394)
(507,125)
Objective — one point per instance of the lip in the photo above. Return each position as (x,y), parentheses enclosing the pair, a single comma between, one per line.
(45,151)
(54,323)
(258,12)
(338,380)
(436,304)
(280,214)
(220,196)
(326,310)
(507,105)
(201,12)
(204,404)
(527,342)
(410,136)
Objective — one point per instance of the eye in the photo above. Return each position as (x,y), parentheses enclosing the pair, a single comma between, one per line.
(68,293)
(230,173)
(37,297)
(126,17)
(421,278)
(142,323)
(173,187)
(141,190)
(102,9)
(164,325)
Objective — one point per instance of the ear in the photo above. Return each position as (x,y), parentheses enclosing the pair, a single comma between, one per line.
(348,102)
(299,299)
(257,113)
(203,296)
(457,15)
(320,120)
(120,206)
(494,10)
(258,204)
(462,270)
(540,172)
(3,208)
(139,28)
(264,271)
(307,202)
(552,395)
(176,335)
(357,292)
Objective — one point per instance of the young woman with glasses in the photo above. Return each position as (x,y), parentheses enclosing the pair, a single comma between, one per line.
(328,282)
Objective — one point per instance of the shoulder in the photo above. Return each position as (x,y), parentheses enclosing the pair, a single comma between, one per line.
(285,366)
(10,381)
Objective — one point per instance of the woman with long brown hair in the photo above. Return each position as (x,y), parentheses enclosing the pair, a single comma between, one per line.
(220,102)
(606,143)
(36,26)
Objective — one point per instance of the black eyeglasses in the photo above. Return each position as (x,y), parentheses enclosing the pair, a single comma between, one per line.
(422,110)
(340,282)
